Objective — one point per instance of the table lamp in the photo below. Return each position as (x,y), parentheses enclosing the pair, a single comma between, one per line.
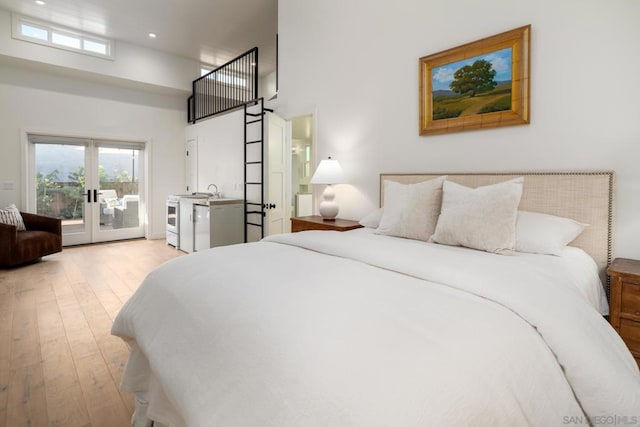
(328,172)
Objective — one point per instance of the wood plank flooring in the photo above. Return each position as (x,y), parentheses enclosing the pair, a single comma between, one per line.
(59,364)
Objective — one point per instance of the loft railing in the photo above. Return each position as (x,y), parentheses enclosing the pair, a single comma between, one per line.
(227,87)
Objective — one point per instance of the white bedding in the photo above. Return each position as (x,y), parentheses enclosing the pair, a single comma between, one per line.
(327,328)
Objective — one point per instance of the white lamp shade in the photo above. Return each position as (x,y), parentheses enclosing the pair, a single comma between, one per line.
(328,172)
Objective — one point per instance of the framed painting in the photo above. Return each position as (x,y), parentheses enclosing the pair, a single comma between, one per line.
(482,84)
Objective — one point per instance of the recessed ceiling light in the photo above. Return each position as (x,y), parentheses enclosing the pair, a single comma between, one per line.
(152,35)
(40,2)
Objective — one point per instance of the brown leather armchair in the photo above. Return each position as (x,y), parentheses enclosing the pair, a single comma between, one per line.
(43,236)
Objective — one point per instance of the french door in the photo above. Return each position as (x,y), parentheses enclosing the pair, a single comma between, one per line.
(93,186)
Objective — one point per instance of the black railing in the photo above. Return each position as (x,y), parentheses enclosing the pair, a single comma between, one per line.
(227,87)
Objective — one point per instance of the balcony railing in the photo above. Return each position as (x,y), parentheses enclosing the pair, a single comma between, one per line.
(227,87)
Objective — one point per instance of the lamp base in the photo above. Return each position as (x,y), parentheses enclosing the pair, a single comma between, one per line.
(328,207)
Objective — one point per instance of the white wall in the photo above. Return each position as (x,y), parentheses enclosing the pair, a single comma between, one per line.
(220,153)
(36,101)
(357,63)
(267,86)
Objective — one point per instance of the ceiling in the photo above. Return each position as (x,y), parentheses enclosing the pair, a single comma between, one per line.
(209,31)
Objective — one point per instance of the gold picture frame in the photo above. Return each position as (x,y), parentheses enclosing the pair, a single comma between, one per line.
(478,85)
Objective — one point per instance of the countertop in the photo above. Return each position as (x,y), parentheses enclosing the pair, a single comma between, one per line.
(220,201)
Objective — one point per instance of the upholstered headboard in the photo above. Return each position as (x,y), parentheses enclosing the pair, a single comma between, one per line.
(583,196)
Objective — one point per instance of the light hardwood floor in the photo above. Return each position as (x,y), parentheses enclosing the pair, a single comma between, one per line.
(59,364)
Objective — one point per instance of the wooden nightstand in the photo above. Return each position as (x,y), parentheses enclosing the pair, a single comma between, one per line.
(624,305)
(316,222)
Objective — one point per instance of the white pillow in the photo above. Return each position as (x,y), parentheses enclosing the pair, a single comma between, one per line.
(539,233)
(481,218)
(372,220)
(11,216)
(411,210)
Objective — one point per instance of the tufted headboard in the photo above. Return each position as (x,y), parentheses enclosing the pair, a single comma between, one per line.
(585,196)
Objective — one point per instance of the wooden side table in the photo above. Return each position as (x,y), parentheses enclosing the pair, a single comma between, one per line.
(624,305)
(316,222)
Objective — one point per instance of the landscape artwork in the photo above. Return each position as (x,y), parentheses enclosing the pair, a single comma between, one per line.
(478,85)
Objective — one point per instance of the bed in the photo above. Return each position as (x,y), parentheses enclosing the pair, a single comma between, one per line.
(360,328)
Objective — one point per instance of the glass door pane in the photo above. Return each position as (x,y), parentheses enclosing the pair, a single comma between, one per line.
(119,188)
(60,185)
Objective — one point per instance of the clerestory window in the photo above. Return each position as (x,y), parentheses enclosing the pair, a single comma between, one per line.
(41,32)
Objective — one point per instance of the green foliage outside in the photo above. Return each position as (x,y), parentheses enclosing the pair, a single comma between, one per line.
(65,199)
(46,187)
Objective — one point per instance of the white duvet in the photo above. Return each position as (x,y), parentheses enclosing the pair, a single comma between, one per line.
(356,329)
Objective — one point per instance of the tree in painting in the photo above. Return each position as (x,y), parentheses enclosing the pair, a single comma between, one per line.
(475,78)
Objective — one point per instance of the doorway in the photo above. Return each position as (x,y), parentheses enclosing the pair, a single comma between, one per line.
(94,186)
(302,165)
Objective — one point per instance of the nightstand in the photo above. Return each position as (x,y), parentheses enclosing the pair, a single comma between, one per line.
(624,305)
(316,222)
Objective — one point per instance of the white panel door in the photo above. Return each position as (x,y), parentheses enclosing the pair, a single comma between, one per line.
(191,155)
(275,176)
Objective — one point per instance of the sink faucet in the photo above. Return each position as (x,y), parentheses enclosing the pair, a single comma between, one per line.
(216,194)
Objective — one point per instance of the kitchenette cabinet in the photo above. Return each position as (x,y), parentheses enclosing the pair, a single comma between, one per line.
(186,219)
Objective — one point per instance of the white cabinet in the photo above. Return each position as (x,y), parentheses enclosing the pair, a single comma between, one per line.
(186,225)
(219,223)
(201,228)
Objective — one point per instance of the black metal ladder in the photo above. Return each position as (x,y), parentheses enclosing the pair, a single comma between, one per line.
(254,205)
